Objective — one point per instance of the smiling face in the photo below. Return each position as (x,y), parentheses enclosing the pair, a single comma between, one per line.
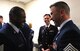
(47,19)
(56,16)
(60,12)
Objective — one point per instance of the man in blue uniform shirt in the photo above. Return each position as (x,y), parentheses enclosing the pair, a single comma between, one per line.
(1,21)
(68,37)
(15,34)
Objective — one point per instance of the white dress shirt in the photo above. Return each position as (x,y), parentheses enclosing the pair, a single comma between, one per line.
(14,27)
(64,23)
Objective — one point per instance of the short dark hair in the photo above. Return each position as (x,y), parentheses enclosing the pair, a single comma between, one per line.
(61,5)
(47,15)
(15,12)
(1,16)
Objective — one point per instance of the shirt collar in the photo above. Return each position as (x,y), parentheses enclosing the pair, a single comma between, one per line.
(3,23)
(64,23)
(14,27)
(47,25)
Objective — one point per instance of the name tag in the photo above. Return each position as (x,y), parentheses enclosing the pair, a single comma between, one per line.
(51,31)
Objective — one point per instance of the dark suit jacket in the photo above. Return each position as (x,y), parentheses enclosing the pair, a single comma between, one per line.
(12,40)
(45,38)
(69,36)
(29,33)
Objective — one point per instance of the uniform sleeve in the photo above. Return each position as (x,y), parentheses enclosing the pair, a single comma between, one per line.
(70,41)
(39,37)
(1,39)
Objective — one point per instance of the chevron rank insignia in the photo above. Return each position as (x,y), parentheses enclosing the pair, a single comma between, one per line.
(70,47)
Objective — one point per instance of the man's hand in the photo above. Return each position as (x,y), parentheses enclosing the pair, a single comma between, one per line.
(54,45)
(45,50)
(42,49)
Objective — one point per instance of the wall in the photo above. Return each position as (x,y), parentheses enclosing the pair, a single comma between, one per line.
(74,8)
(5,7)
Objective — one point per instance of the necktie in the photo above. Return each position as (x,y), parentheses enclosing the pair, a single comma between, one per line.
(47,28)
(56,37)
(54,41)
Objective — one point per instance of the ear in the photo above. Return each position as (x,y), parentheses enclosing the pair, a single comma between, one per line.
(62,12)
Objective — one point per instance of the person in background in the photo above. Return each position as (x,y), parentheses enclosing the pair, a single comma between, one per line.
(68,37)
(15,35)
(1,21)
(31,37)
(46,34)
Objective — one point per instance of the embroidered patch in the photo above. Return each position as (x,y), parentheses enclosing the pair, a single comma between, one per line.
(70,47)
